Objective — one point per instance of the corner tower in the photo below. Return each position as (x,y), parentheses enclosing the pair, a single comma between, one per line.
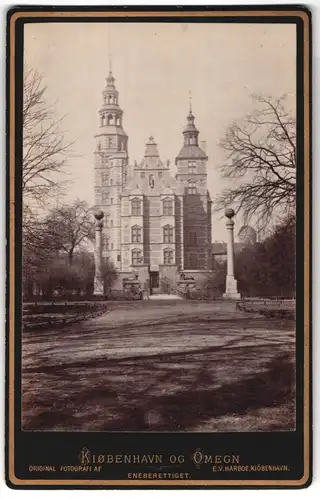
(191,165)
(110,164)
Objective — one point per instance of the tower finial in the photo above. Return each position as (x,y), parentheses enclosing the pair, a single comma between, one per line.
(190,101)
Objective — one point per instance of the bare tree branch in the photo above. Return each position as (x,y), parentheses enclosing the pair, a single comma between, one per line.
(44,148)
(261,154)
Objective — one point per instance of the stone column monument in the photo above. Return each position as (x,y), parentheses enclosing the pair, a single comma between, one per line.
(231,283)
(98,279)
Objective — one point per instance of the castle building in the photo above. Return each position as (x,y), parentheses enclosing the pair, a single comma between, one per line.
(156,225)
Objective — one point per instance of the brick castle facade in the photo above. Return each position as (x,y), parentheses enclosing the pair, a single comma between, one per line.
(156,225)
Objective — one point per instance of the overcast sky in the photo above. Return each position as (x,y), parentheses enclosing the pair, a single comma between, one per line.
(155,66)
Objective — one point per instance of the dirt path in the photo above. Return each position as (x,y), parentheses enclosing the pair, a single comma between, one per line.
(161,366)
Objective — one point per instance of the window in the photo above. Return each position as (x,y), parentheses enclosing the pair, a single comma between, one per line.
(111,182)
(106,243)
(167,206)
(111,201)
(192,168)
(168,256)
(159,174)
(168,234)
(111,243)
(118,258)
(105,199)
(109,119)
(109,142)
(136,207)
(136,256)
(193,240)
(111,223)
(104,179)
(193,261)
(142,175)
(102,120)
(192,187)
(136,234)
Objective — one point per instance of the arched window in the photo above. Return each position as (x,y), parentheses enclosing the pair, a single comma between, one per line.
(167,206)
(109,119)
(109,99)
(168,256)
(192,187)
(102,120)
(168,234)
(136,256)
(136,234)
(151,181)
(136,206)
(193,261)
(192,168)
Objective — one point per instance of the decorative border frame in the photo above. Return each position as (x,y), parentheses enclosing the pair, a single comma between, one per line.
(158,12)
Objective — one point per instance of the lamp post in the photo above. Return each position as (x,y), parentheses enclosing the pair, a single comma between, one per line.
(98,279)
(231,283)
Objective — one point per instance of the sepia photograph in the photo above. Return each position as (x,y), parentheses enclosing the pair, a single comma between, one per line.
(159,227)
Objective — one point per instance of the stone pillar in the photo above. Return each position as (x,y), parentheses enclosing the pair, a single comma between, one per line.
(98,288)
(231,283)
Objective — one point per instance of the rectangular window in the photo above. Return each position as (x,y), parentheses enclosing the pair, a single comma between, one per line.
(111,223)
(111,201)
(136,257)
(105,199)
(167,207)
(118,258)
(159,174)
(192,167)
(168,257)
(104,179)
(136,234)
(136,207)
(193,240)
(168,234)
(192,188)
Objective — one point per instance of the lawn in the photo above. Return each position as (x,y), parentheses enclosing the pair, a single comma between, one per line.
(162,366)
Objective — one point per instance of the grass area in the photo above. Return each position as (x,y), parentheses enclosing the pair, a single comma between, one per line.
(45,315)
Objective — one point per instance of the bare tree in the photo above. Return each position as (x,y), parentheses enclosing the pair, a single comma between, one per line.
(70,226)
(44,146)
(261,158)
